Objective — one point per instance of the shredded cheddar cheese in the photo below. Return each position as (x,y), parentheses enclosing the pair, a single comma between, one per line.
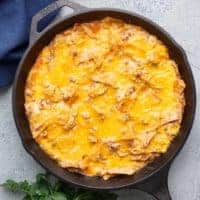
(104,98)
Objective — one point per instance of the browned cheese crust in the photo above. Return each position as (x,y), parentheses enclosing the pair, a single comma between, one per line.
(104,98)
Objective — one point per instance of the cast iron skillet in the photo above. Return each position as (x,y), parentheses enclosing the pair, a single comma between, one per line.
(153,178)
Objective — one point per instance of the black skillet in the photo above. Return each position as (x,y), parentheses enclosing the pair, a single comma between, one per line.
(151,179)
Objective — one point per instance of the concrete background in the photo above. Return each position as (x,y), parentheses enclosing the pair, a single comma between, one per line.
(181,18)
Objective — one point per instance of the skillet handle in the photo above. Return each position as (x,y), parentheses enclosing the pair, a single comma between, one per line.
(157,185)
(34,34)
(162,192)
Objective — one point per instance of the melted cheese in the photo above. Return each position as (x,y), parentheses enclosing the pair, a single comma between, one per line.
(104,98)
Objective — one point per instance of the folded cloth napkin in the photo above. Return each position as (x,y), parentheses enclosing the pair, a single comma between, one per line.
(15,19)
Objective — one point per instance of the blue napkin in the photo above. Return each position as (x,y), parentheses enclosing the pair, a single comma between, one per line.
(15,19)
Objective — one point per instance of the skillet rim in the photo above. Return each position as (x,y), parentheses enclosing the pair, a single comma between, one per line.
(167,36)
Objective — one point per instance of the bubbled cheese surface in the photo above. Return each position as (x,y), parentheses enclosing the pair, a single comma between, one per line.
(104,98)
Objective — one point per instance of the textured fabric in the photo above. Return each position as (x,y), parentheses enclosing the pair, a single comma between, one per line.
(15,19)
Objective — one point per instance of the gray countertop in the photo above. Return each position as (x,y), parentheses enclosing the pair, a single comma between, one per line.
(181,18)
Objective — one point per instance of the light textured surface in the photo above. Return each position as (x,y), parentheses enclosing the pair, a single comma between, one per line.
(181,18)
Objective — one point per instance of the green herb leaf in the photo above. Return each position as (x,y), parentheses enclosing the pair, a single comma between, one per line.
(57,186)
(59,196)
(42,189)
(14,186)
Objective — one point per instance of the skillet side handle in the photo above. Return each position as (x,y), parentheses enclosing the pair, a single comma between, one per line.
(162,192)
(34,34)
(157,185)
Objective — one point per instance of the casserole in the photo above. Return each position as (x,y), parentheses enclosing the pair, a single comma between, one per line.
(104,98)
(153,175)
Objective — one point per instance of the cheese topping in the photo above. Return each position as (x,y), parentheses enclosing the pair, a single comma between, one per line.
(104,98)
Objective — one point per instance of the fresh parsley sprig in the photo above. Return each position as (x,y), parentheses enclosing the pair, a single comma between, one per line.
(43,189)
